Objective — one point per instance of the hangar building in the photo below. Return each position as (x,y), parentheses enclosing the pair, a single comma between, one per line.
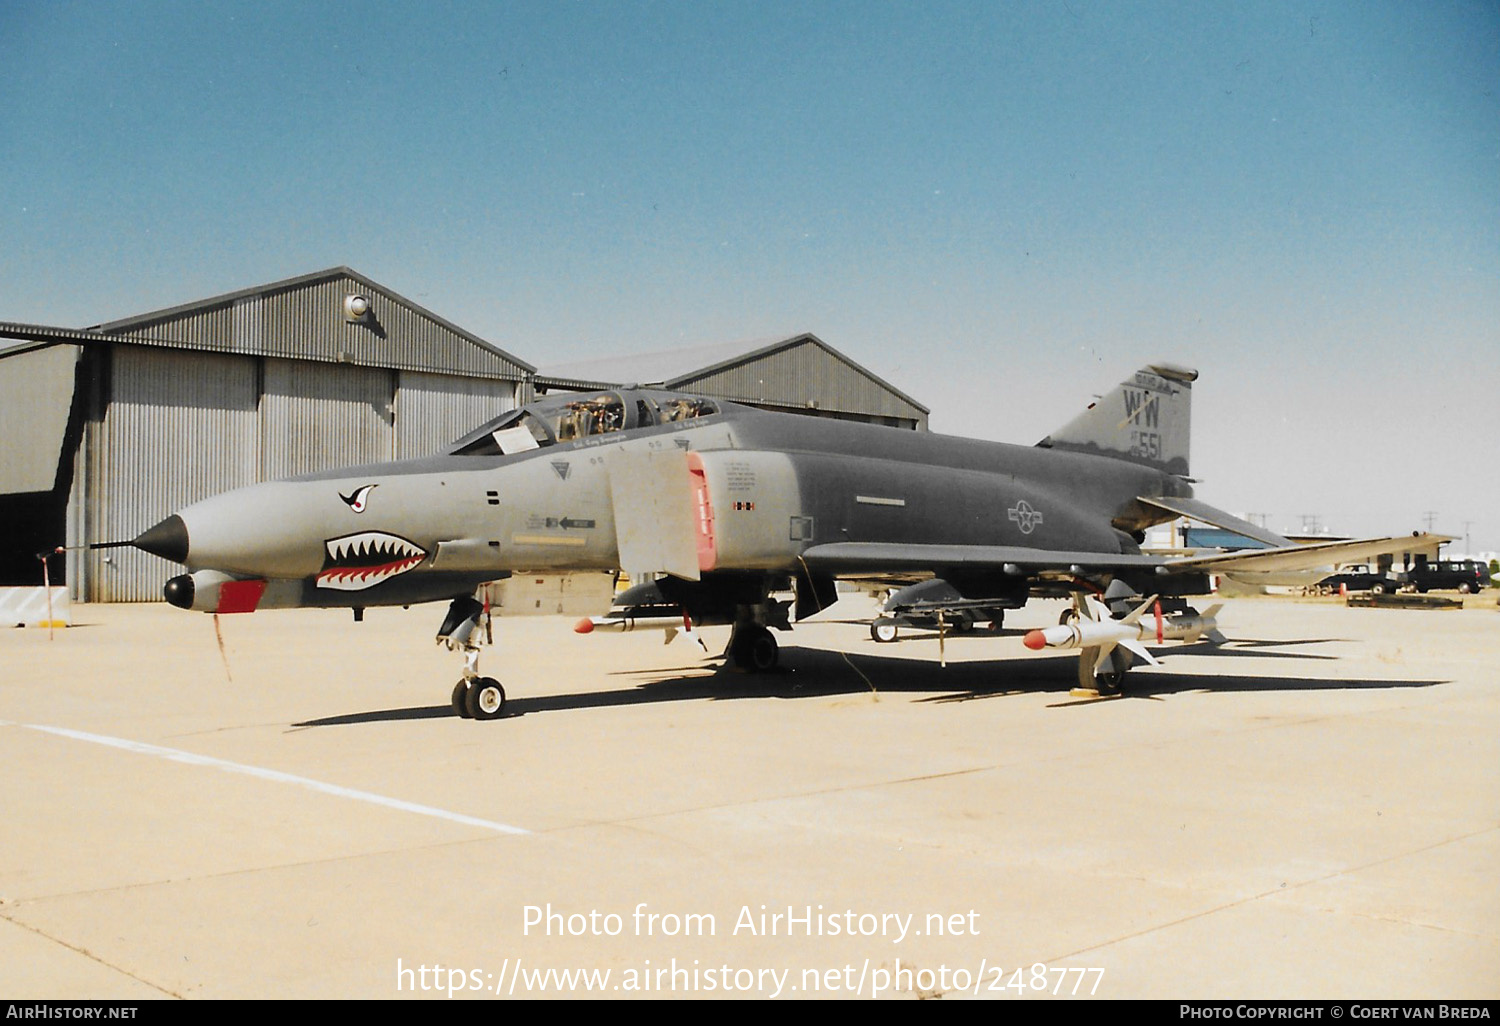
(109,429)
(126,422)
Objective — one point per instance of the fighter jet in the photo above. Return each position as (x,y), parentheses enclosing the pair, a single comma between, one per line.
(719,506)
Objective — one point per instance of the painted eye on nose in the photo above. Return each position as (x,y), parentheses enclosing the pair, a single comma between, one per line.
(356,501)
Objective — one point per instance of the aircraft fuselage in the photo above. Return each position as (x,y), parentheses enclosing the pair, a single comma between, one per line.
(735,489)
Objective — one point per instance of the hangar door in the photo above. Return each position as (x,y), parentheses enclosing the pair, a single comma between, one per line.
(178,427)
(435,409)
(315,416)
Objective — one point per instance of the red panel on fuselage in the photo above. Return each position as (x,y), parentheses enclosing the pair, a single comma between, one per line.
(240,596)
(703,513)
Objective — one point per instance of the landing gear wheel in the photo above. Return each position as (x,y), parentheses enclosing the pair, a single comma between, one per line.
(883,629)
(486,698)
(461,700)
(1110,683)
(1109,678)
(754,649)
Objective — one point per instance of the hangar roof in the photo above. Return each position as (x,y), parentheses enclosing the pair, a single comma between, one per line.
(783,370)
(304,318)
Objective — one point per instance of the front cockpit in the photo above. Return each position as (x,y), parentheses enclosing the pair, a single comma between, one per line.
(569,418)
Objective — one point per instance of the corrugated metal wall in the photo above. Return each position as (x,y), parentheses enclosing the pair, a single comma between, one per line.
(180,427)
(433,409)
(316,415)
(801,374)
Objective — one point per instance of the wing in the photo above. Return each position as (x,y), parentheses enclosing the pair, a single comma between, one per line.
(1284,563)
(1217,517)
(874,559)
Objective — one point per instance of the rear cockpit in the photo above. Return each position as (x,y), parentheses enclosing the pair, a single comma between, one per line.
(569,418)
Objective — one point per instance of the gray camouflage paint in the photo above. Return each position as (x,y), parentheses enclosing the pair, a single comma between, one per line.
(848,497)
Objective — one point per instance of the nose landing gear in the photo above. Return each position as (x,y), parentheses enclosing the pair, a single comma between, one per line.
(474,697)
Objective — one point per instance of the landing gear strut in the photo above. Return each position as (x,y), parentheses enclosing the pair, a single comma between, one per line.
(474,697)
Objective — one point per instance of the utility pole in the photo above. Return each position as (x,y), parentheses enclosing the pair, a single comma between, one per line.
(1430,516)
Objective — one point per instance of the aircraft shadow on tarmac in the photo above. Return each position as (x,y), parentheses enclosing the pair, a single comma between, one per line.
(817,673)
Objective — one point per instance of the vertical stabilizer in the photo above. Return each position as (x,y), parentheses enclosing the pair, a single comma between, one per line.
(1146,420)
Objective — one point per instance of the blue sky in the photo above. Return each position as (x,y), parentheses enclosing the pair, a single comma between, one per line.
(1003,207)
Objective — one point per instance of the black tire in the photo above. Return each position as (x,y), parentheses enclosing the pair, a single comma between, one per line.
(884,630)
(1110,678)
(461,700)
(486,699)
(1110,683)
(1377,589)
(755,649)
(1465,588)
(1087,657)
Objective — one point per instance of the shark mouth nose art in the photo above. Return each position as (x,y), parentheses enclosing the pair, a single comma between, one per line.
(359,561)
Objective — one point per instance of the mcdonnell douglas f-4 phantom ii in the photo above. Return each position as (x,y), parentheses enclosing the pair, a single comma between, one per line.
(722,504)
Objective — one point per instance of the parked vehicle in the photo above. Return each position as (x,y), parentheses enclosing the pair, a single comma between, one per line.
(1466,575)
(1360,577)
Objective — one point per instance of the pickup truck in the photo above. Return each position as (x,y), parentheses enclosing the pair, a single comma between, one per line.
(1360,577)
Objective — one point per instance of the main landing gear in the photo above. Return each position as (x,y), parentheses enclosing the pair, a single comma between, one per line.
(1100,668)
(474,697)
(1106,675)
(753,648)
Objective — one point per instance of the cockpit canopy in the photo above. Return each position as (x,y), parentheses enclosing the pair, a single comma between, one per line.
(567,418)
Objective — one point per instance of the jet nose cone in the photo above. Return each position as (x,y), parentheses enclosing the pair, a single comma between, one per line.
(168,539)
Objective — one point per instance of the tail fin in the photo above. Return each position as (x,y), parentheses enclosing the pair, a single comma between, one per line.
(1146,419)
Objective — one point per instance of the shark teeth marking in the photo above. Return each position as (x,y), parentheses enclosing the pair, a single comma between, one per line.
(359,561)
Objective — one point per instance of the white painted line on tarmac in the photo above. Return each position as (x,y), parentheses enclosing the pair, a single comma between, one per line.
(279,777)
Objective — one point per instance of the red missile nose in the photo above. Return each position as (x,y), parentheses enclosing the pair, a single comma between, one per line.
(584,626)
(1035,640)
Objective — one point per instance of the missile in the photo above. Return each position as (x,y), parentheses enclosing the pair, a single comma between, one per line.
(622,622)
(589,624)
(1129,632)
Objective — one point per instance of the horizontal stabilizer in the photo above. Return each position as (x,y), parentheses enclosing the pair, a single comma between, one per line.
(1202,511)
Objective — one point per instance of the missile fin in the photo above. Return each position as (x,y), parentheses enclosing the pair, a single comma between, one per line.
(1139,650)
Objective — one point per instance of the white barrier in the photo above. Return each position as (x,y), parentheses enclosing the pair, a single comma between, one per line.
(27,607)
